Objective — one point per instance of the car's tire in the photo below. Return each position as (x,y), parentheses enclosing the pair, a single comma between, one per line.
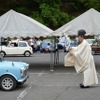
(27,54)
(2,53)
(8,83)
(20,84)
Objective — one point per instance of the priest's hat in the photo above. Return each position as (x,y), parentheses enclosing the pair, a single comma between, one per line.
(81,32)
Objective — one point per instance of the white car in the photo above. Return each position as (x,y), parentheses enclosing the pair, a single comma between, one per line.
(90,41)
(16,48)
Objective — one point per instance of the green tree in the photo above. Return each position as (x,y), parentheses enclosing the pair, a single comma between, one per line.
(50,14)
(23,10)
(92,4)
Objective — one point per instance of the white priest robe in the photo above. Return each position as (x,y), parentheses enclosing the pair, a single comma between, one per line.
(83,62)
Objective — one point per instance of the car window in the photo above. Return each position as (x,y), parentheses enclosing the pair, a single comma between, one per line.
(12,44)
(90,41)
(22,44)
(96,43)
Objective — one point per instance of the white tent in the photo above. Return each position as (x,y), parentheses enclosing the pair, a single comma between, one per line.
(16,24)
(90,21)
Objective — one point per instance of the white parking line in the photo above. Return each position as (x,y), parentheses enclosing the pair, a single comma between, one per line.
(49,73)
(41,73)
(23,93)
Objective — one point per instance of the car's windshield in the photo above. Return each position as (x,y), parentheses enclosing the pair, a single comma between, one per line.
(90,41)
(96,43)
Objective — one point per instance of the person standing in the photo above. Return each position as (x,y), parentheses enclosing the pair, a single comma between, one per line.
(32,44)
(67,43)
(38,44)
(76,41)
(81,58)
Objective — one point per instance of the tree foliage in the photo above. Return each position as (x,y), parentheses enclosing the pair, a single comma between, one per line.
(52,13)
(92,4)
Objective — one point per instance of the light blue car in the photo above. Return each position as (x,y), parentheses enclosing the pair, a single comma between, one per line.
(12,74)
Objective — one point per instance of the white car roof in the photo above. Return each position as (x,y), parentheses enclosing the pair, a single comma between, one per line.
(16,41)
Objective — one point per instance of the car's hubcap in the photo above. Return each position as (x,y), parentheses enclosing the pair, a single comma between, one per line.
(27,54)
(2,54)
(7,83)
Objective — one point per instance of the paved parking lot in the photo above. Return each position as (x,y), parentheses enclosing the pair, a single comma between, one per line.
(61,84)
(55,86)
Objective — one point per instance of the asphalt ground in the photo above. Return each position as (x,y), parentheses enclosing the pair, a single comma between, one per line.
(43,84)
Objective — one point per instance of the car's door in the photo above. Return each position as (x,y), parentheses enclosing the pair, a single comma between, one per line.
(98,47)
(11,49)
(22,47)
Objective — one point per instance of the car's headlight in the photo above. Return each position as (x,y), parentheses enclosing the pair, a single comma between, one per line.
(23,72)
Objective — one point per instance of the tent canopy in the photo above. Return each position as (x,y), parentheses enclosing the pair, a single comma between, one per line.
(16,24)
(89,21)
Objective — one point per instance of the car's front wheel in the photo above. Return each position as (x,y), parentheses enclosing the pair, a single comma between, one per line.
(2,53)
(7,83)
(27,54)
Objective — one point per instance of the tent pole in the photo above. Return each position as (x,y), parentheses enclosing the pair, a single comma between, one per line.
(52,57)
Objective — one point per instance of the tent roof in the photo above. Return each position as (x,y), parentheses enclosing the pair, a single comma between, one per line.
(16,24)
(90,21)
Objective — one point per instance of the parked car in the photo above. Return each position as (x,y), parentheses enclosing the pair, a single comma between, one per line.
(16,48)
(45,43)
(96,47)
(12,74)
(90,41)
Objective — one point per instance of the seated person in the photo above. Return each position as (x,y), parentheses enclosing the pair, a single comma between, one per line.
(47,48)
(13,44)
